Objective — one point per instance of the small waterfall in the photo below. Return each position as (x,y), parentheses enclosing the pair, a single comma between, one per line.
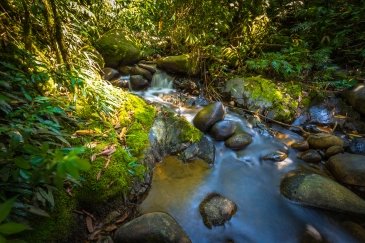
(161,80)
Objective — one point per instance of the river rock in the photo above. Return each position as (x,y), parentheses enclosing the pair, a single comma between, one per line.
(116,49)
(136,70)
(150,68)
(356,97)
(238,141)
(333,150)
(357,146)
(109,73)
(125,70)
(348,168)
(138,82)
(356,230)
(311,235)
(310,156)
(324,141)
(208,116)
(223,130)
(182,64)
(276,156)
(320,114)
(301,146)
(153,228)
(318,191)
(204,150)
(216,210)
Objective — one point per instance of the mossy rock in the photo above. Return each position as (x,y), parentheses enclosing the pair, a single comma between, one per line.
(116,49)
(124,167)
(59,226)
(257,93)
(182,64)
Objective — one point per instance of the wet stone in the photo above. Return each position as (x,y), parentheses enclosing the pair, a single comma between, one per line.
(208,116)
(348,168)
(311,235)
(216,210)
(356,230)
(238,141)
(153,228)
(310,156)
(320,115)
(333,151)
(136,70)
(276,156)
(109,73)
(324,141)
(301,146)
(223,130)
(321,192)
(137,82)
(357,146)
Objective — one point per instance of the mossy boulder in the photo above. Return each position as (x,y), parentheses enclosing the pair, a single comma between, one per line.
(182,64)
(281,100)
(321,192)
(223,130)
(116,49)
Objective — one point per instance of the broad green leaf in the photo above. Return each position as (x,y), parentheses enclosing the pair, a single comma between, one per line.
(83,164)
(5,208)
(22,163)
(35,210)
(2,239)
(12,228)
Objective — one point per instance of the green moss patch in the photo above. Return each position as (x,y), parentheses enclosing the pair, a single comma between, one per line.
(281,99)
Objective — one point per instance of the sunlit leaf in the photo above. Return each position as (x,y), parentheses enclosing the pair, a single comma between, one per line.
(12,228)
(5,208)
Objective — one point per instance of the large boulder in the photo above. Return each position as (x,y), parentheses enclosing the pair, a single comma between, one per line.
(223,130)
(116,49)
(321,192)
(208,116)
(356,97)
(182,64)
(136,70)
(155,227)
(216,210)
(257,93)
(238,141)
(348,168)
(109,73)
(324,141)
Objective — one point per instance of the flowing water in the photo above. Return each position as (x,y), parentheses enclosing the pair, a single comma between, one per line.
(263,214)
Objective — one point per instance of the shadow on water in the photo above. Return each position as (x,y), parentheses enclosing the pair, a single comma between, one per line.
(263,215)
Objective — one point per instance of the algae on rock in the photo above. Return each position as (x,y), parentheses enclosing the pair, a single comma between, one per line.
(281,100)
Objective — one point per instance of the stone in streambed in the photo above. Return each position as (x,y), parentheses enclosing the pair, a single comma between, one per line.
(136,70)
(216,210)
(276,156)
(208,116)
(301,146)
(333,150)
(318,191)
(223,130)
(324,141)
(138,82)
(153,228)
(109,73)
(356,97)
(238,141)
(357,146)
(348,168)
(310,156)
(150,68)
(356,230)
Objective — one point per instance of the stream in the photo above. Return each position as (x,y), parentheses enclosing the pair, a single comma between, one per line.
(263,214)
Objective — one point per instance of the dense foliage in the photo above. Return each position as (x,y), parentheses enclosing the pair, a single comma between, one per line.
(49,69)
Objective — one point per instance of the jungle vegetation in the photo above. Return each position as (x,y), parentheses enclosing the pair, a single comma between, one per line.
(55,109)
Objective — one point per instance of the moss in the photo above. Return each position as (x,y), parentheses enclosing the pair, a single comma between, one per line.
(59,226)
(281,99)
(106,182)
(123,168)
(189,133)
(182,64)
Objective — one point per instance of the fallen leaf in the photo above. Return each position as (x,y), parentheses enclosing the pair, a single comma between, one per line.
(340,116)
(91,145)
(84,132)
(122,219)
(98,175)
(107,162)
(122,134)
(94,235)
(89,224)
(108,150)
(88,214)
(93,157)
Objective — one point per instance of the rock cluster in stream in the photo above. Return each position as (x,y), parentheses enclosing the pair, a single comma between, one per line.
(211,119)
(339,189)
